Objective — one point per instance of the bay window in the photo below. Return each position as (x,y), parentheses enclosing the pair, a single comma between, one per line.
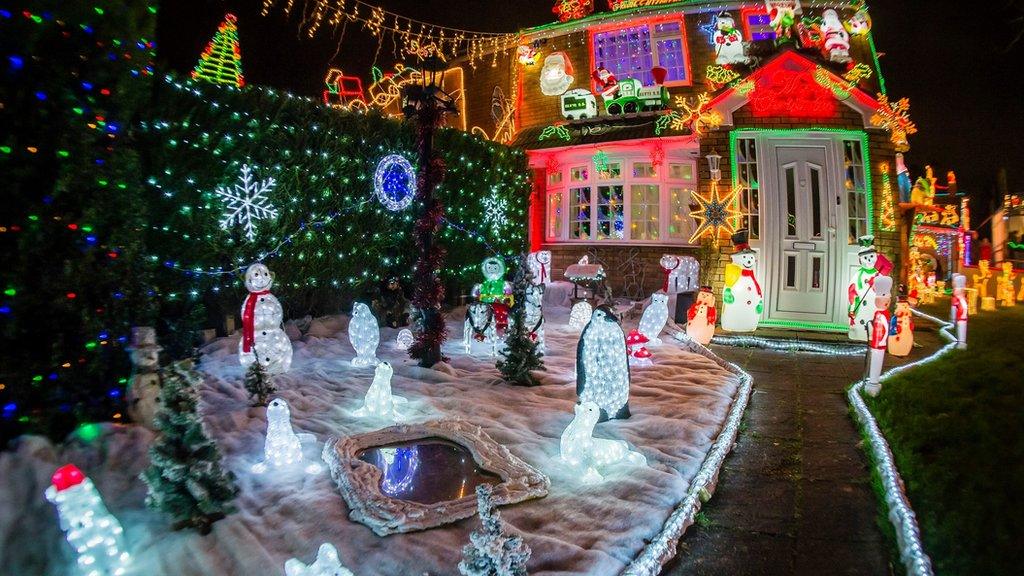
(630,50)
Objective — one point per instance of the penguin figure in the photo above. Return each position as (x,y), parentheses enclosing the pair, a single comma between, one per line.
(602,365)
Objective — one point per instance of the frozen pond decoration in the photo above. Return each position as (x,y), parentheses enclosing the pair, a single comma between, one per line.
(413,477)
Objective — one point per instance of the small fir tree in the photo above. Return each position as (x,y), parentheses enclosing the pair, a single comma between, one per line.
(185,477)
(520,355)
(491,552)
(259,384)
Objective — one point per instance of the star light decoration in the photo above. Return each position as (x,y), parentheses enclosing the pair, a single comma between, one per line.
(246,202)
(895,118)
(715,213)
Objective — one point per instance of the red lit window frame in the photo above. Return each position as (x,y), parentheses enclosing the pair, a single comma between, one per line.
(650,21)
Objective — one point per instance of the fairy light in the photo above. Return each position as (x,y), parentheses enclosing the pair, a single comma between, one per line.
(221,62)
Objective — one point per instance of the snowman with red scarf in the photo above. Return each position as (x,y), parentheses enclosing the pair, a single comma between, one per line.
(729,48)
(742,300)
(263,340)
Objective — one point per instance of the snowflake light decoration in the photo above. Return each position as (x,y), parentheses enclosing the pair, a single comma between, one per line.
(715,213)
(246,202)
(695,117)
(895,118)
(495,213)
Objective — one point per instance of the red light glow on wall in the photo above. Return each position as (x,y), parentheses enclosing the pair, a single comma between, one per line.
(791,93)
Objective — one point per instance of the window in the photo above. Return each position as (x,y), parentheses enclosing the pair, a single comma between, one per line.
(856,189)
(554,178)
(579,174)
(644,211)
(757,25)
(613,171)
(610,222)
(680,171)
(680,225)
(579,211)
(631,52)
(644,170)
(746,173)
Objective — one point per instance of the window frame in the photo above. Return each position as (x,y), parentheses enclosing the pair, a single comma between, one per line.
(650,22)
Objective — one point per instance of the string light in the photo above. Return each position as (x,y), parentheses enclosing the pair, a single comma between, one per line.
(221,62)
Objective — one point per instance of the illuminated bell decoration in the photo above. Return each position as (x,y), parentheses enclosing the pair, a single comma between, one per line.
(581,452)
(327,563)
(364,334)
(602,366)
(379,401)
(861,291)
(405,339)
(90,529)
(715,213)
(263,340)
(282,448)
(394,182)
(742,300)
(654,318)
(580,314)
(556,74)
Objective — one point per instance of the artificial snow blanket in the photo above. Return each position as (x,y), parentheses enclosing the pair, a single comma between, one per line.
(680,407)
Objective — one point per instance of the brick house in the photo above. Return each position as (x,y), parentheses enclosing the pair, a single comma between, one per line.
(791,120)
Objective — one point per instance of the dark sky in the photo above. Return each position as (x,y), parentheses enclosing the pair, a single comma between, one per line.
(966,93)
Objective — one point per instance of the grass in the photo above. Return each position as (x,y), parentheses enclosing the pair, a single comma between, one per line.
(956,429)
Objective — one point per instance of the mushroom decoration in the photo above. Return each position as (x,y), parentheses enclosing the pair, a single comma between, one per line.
(639,355)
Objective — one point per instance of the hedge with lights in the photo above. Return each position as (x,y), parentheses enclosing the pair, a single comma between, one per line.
(111,219)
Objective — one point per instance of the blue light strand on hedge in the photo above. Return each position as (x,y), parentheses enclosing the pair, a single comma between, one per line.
(901,515)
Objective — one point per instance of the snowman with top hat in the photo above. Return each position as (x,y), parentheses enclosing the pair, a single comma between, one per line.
(861,291)
(742,299)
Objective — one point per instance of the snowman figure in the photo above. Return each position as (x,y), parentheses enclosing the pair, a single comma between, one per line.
(582,452)
(602,365)
(701,317)
(861,292)
(556,74)
(91,530)
(327,563)
(959,309)
(364,334)
(879,326)
(535,315)
(836,45)
(901,331)
(379,402)
(742,300)
(729,47)
(263,339)
(540,266)
(654,318)
(495,291)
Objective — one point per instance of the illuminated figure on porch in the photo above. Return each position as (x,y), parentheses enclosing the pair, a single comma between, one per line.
(602,365)
(901,331)
(879,342)
(861,292)
(263,339)
(742,300)
(981,279)
(959,309)
(1004,285)
(495,291)
(701,317)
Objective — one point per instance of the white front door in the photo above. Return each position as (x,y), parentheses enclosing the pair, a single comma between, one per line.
(800,245)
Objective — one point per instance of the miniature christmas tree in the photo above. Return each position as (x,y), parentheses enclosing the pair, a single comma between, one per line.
(520,355)
(221,62)
(490,551)
(185,476)
(258,384)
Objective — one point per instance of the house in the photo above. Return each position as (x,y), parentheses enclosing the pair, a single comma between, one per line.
(628,115)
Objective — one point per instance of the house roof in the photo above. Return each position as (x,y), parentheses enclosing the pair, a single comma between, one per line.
(593,131)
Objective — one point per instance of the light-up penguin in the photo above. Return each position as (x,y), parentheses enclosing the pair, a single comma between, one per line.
(861,291)
(901,331)
(701,317)
(379,401)
(728,41)
(540,266)
(262,336)
(584,453)
(91,530)
(282,448)
(742,300)
(959,309)
(836,45)
(602,365)
(879,342)
(327,563)
(364,334)
(494,290)
(654,318)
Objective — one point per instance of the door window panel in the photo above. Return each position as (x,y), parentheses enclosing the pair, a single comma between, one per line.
(610,222)
(579,211)
(644,209)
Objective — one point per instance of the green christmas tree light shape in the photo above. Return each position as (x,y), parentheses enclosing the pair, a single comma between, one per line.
(186,478)
(221,62)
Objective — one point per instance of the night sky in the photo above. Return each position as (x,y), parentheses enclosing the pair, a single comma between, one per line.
(966,94)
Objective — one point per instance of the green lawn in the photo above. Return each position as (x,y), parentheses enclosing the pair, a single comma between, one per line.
(956,428)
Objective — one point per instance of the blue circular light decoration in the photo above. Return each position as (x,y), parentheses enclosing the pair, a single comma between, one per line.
(394,182)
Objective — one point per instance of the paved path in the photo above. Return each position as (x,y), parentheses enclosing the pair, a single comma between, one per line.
(794,496)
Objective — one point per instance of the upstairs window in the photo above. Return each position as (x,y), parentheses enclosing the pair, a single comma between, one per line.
(631,51)
(757,25)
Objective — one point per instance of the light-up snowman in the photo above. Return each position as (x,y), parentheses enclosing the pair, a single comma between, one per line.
(701,317)
(728,41)
(540,266)
(262,336)
(327,563)
(379,401)
(602,365)
(836,45)
(654,318)
(742,300)
(92,531)
(282,448)
(861,291)
(364,334)
(584,453)
(901,331)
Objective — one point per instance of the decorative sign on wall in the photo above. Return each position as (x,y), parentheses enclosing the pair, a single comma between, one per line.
(791,93)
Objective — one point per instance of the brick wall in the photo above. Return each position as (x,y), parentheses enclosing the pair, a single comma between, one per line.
(613,258)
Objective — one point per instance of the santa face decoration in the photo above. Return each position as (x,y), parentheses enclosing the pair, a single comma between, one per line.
(258,278)
(556,75)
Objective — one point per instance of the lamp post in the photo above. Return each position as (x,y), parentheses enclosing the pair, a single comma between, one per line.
(426,102)
(715,165)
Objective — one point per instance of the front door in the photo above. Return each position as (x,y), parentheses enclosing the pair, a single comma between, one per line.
(801,243)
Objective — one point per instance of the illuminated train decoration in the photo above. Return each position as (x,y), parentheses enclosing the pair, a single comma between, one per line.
(629,97)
